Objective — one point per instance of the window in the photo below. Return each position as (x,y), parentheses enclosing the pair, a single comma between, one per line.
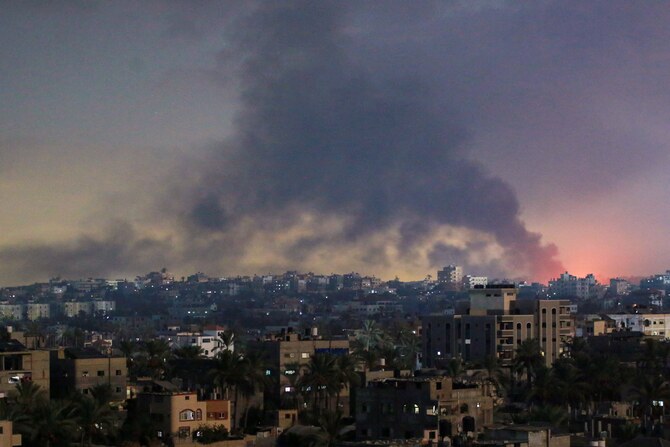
(438,385)
(118,389)
(184,432)
(187,415)
(118,372)
(84,373)
(287,416)
(198,415)
(101,374)
(304,355)
(206,340)
(187,397)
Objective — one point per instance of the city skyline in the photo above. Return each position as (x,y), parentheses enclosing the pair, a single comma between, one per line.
(519,141)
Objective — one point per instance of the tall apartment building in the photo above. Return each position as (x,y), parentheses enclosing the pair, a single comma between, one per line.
(496,323)
(567,285)
(450,275)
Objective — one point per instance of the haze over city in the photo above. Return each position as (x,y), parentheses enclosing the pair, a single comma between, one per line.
(519,140)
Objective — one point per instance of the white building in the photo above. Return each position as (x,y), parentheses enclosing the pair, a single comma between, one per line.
(35,311)
(652,325)
(469,281)
(12,311)
(209,340)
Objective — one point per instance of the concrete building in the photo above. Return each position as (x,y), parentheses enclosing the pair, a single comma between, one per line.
(7,436)
(178,415)
(11,311)
(523,436)
(17,364)
(450,275)
(82,369)
(427,408)
(495,323)
(209,341)
(567,285)
(287,355)
(470,282)
(74,308)
(35,311)
(651,325)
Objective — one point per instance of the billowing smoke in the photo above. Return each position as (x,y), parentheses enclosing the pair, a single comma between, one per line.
(362,157)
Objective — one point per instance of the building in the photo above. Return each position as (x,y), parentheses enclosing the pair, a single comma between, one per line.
(17,364)
(495,323)
(11,311)
(178,415)
(650,325)
(567,285)
(82,369)
(470,282)
(450,275)
(428,408)
(288,353)
(35,311)
(523,436)
(209,341)
(7,436)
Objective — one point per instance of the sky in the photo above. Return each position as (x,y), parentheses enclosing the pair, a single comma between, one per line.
(518,139)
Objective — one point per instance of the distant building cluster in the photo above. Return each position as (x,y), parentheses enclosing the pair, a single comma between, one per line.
(412,362)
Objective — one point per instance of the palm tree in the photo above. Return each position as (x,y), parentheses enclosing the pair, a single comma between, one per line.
(227,340)
(102,393)
(128,348)
(650,389)
(229,373)
(95,419)
(346,375)
(320,379)
(52,424)
(370,335)
(28,396)
(528,359)
(330,423)
(455,367)
(409,348)
(370,359)
(189,352)
(156,353)
(255,379)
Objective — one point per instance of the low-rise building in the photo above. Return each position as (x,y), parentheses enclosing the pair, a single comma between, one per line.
(178,415)
(82,369)
(7,436)
(428,408)
(523,436)
(17,364)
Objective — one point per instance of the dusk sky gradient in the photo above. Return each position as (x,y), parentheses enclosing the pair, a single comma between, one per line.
(518,139)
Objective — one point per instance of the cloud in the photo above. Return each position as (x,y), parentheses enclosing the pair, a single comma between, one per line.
(318,131)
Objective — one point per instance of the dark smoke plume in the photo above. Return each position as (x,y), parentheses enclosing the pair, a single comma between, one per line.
(319,131)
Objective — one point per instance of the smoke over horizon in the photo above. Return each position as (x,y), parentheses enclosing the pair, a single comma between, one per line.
(360,151)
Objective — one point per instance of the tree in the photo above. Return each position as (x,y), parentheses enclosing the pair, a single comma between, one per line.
(229,373)
(650,390)
(189,352)
(528,359)
(255,379)
(96,419)
(320,379)
(52,423)
(346,375)
(370,336)
(156,353)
